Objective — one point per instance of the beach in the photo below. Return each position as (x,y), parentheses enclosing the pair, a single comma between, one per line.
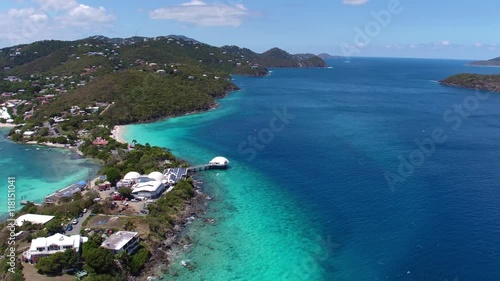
(117,133)
(4,125)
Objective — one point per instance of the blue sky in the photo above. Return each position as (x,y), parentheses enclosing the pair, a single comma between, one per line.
(464,29)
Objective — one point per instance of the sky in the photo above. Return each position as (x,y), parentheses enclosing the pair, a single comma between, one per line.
(456,29)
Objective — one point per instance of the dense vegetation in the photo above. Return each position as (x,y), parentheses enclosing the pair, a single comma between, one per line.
(474,81)
(161,217)
(141,96)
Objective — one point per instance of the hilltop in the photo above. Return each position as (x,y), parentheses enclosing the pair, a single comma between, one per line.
(136,79)
(113,54)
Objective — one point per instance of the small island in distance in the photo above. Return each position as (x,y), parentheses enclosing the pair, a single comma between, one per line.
(476,81)
(326,56)
(491,62)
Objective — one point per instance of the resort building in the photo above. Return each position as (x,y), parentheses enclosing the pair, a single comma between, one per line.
(148,188)
(45,246)
(125,183)
(174,175)
(132,176)
(33,218)
(122,241)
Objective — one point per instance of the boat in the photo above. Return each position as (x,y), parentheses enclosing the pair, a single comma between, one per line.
(185,263)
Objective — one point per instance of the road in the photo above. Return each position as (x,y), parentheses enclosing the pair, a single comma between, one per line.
(78,227)
(52,131)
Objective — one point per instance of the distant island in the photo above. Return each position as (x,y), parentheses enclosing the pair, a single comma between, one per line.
(474,81)
(326,56)
(491,62)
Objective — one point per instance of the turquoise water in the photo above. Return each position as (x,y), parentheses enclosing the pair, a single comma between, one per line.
(39,172)
(257,225)
(309,201)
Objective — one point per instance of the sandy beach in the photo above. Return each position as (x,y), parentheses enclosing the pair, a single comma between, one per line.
(58,145)
(117,134)
(4,125)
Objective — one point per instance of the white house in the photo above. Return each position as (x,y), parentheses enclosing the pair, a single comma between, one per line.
(33,218)
(122,241)
(4,113)
(45,246)
(28,134)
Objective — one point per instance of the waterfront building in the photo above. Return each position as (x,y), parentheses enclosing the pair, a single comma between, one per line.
(122,241)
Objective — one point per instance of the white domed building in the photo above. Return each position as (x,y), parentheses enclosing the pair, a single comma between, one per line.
(156,176)
(132,176)
(219,162)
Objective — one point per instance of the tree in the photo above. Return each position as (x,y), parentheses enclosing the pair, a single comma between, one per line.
(46,265)
(56,263)
(112,175)
(54,225)
(138,261)
(129,226)
(100,260)
(125,192)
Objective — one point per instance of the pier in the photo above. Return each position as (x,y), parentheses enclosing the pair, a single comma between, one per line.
(218,163)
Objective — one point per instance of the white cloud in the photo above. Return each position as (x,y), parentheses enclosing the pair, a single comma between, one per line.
(86,16)
(478,44)
(200,13)
(445,43)
(355,2)
(44,19)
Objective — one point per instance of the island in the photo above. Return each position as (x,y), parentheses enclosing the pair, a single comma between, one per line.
(474,81)
(76,94)
(491,62)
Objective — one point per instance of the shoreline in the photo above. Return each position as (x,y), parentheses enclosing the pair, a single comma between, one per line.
(4,125)
(162,258)
(117,133)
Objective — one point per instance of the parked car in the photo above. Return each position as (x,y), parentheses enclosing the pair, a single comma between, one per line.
(92,214)
(84,210)
(75,221)
(118,198)
(134,200)
(144,212)
(69,227)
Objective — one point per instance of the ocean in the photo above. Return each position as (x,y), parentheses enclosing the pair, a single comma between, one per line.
(38,170)
(370,170)
(314,191)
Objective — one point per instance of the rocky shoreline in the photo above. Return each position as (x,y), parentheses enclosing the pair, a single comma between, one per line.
(162,258)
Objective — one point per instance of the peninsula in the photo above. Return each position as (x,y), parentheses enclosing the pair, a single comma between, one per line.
(74,94)
(491,62)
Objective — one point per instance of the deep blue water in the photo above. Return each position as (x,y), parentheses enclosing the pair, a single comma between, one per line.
(352,122)
(310,200)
